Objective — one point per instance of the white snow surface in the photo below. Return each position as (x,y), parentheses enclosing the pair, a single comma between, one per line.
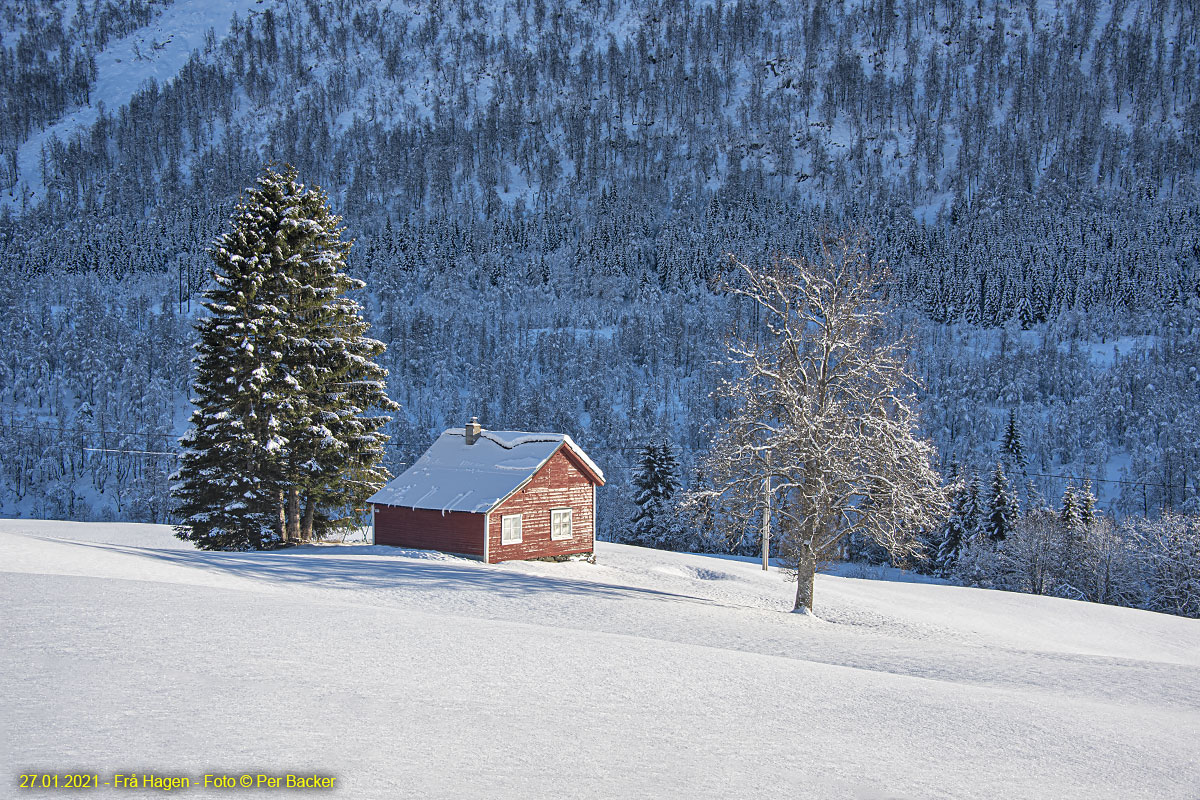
(647,674)
(455,476)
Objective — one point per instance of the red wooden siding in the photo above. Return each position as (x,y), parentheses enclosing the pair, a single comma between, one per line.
(558,484)
(451,532)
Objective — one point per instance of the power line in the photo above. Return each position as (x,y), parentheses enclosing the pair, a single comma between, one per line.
(1105,480)
(55,429)
(130,452)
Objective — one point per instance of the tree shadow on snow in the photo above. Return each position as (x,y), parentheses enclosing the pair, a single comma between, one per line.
(365,567)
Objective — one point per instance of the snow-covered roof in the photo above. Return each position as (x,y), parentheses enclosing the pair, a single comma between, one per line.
(455,476)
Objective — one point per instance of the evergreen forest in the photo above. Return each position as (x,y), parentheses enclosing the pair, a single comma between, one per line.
(543,196)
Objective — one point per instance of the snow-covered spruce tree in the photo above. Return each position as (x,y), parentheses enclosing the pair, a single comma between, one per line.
(280,441)
(953,533)
(973,511)
(1068,515)
(1002,507)
(644,480)
(1012,450)
(332,461)
(1071,551)
(656,482)
(1090,553)
(227,486)
(1087,505)
(824,408)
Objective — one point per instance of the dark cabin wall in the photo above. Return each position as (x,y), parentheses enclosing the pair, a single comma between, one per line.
(450,532)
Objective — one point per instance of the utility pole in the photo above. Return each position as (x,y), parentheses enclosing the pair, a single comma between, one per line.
(766,524)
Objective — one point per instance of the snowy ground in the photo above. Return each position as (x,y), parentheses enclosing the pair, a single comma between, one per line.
(645,675)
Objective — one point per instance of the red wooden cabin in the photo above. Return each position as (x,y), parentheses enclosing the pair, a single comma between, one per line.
(494,495)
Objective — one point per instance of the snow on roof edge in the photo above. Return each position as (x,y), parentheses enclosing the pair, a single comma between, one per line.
(527,438)
(577,450)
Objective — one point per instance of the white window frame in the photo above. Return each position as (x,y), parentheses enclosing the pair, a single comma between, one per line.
(508,522)
(558,514)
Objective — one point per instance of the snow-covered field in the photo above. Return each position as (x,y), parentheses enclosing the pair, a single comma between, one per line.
(648,674)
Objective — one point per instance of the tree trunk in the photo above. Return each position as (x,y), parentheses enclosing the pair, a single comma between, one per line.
(306,523)
(281,524)
(806,571)
(293,514)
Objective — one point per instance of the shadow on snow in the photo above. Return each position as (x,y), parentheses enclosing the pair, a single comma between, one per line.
(365,567)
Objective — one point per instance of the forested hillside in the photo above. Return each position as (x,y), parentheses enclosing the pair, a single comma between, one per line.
(544,195)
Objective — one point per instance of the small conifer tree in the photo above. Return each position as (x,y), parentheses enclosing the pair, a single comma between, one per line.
(1068,515)
(1012,448)
(1071,538)
(954,535)
(1002,507)
(656,481)
(973,512)
(1087,505)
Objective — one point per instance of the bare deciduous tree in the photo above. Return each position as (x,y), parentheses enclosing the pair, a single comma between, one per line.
(1170,554)
(825,410)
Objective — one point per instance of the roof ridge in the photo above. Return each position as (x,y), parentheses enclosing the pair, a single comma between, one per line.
(523,437)
(437,479)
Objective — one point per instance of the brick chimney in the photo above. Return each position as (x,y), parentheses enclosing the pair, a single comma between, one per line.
(472,430)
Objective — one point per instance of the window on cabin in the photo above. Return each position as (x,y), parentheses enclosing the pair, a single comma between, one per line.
(510,529)
(560,523)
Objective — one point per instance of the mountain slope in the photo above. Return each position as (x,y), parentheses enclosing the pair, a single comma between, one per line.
(430,106)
